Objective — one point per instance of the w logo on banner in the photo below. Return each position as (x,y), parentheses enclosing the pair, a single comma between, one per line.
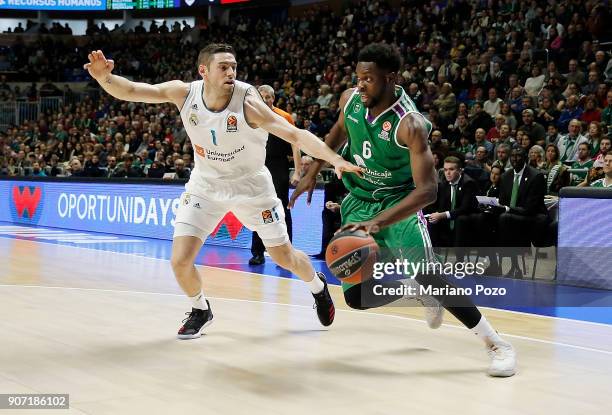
(26,203)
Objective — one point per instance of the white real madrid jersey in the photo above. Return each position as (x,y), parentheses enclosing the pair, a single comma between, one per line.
(225,146)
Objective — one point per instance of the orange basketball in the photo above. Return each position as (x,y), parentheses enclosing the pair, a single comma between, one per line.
(350,256)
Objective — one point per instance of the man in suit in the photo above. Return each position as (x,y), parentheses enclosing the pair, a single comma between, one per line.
(277,162)
(450,217)
(521,196)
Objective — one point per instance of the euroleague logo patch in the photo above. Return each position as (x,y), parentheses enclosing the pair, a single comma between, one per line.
(26,203)
(384,132)
(269,215)
(232,124)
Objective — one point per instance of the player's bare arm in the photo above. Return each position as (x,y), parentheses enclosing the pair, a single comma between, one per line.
(412,133)
(259,115)
(119,87)
(334,140)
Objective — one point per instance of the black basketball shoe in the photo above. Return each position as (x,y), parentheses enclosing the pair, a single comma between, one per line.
(324,303)
(194,323)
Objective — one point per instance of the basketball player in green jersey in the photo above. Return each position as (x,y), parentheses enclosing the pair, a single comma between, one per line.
(388,138)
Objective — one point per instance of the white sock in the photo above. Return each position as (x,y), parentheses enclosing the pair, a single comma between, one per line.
(316,285)
(199,301)
(484,330)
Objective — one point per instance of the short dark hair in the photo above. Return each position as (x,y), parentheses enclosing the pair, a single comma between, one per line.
(211,49)
(385,56)
(454,160)
(497,166)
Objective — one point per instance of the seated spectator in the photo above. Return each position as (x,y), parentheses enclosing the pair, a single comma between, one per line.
(180,170)
(521,193)
(606,114)
(594,136)
(605,181)
(127,170)
(494,132)
(572,111)
(481,159)
(492,106)
(464,145)
(536,158)
(480,140)
(458,129)
(552,134)
(37,171)
(112,167)
(547,113)
(535,83)
(605,145)
(523,140)
(558,174)
(438,143)
(55,169)
(446,103)
(480,119)
(156,170)
(506,111)
(503,157)
(492,187)
(76,168)
(534,130)
(592,84)
(591,112)
(568,144)
(92,167)
(325,96)
(583,162)
(449,221)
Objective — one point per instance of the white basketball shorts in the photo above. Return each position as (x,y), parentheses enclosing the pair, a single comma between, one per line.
(251,199)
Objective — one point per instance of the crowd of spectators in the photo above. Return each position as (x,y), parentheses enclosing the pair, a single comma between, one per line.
(488,75)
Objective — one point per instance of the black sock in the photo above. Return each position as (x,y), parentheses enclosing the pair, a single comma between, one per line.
(362,297)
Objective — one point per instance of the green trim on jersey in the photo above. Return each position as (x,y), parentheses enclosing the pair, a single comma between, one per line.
(600,183)
(373,145)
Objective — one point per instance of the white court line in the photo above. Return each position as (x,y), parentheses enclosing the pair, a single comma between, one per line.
(572,346)
(143,255)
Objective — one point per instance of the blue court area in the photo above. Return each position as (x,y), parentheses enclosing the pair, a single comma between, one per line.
(528,296)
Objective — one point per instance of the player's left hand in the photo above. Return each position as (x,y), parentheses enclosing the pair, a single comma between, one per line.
(345,166)
(295,178)
(370,226)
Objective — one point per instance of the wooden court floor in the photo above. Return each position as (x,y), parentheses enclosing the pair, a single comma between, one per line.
(101,326)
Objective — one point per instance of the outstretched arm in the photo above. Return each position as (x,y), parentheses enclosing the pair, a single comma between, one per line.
(101,69)
(258,114)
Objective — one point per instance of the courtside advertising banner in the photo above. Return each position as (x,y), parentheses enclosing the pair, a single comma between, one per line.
(144,210)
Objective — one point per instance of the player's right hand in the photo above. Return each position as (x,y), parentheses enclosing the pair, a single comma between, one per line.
(306,184)
(99,67)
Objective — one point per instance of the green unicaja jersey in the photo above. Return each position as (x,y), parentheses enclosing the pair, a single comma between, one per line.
(373,145)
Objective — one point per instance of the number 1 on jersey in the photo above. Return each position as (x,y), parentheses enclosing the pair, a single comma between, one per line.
(214,137)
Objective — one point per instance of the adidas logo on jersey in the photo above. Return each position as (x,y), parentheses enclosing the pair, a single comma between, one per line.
(194,107)
(197,205)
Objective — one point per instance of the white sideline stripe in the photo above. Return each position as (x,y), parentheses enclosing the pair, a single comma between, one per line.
(143,255)
(572,346)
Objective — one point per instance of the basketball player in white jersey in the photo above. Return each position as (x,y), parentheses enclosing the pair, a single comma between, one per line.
(228,123)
